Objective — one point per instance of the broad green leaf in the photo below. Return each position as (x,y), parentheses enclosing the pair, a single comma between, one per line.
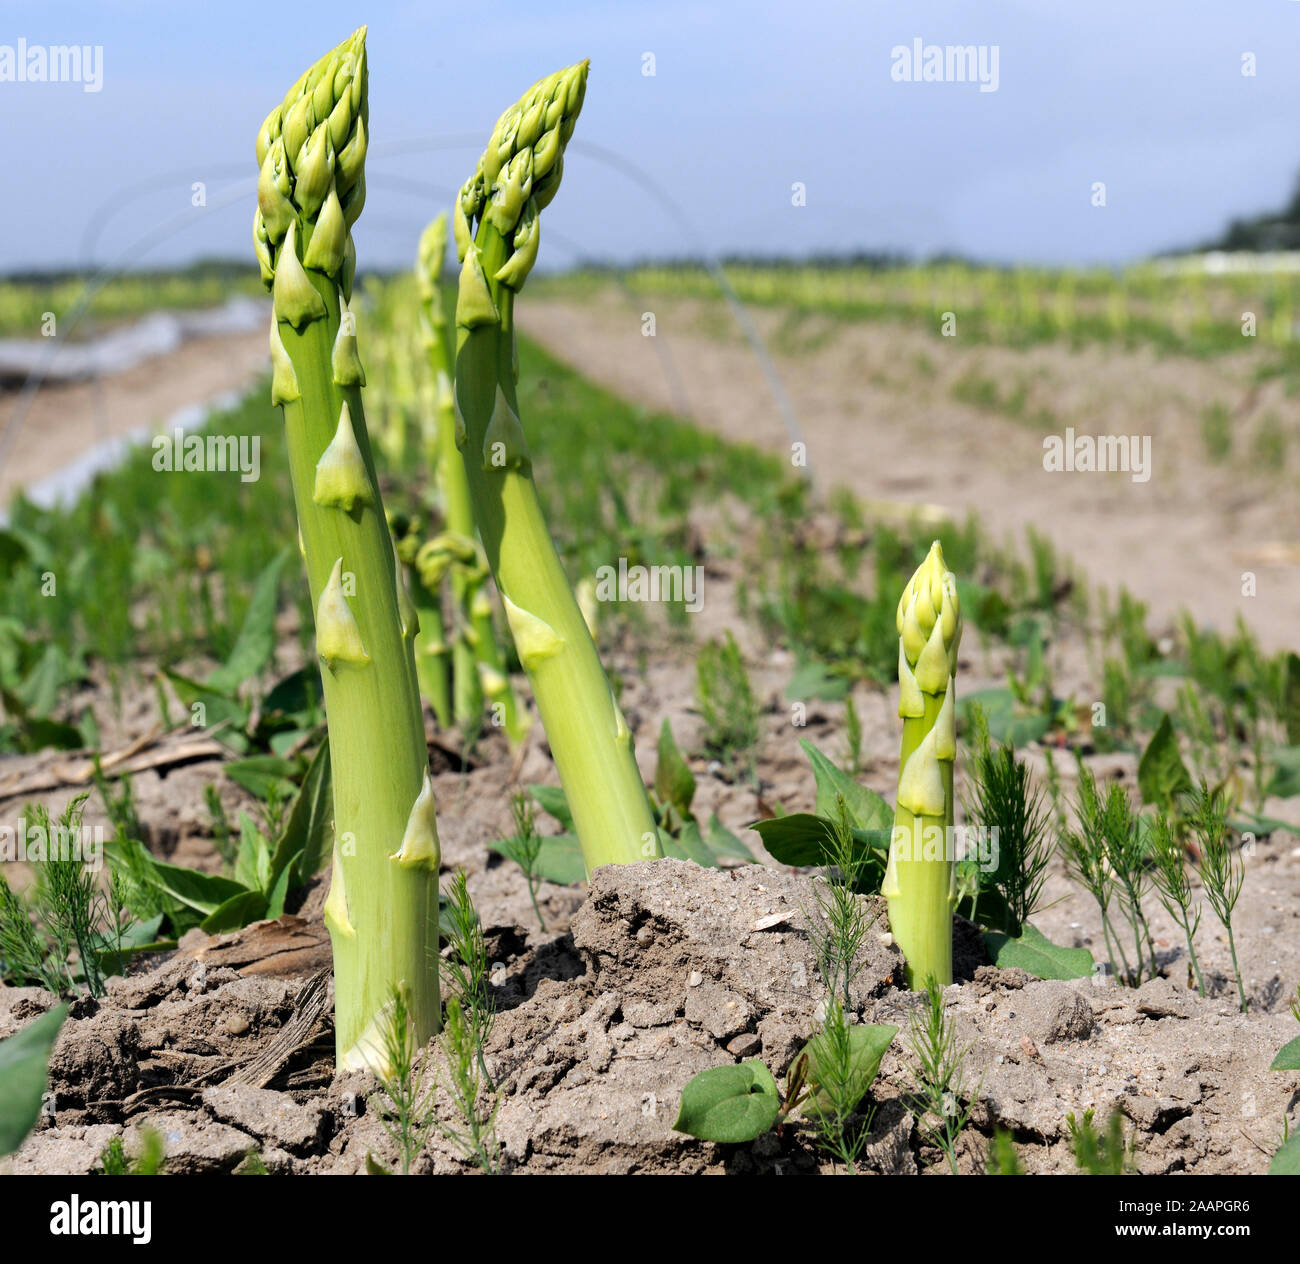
(1007,721)
(688,845)
(1260,826)
(1288,1057)
(263,775)
(729,1104)
(1291,699)
(298,694)
(867,1045)
(38,735)
(203,892)
(236,912)
(560,860)
(136,936)
(1286,1162)
(309,832)
(39,692)
(287,741)
(24,1069)
(674,781)
(1162,775)
(815,681)
(253,857)
(1285,781)
(803,839)
(552,801)
(1036,954)
(867,810)
(256,641)
(280,889)
(722,842)
(217,708)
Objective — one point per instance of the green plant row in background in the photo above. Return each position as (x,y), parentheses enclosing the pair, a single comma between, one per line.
(1173,311)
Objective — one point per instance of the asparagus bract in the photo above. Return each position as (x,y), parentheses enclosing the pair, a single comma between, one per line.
(919,882)
(478,667)
(381,910)
(497,223)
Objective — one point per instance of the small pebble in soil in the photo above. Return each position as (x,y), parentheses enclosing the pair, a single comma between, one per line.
(645,936)
(694,979)
(236,1024)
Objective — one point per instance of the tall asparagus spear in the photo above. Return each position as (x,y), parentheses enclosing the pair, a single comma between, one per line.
(478,669)
(919,880)
(381,910)
(497,224)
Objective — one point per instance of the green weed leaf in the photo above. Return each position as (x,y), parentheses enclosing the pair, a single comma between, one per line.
(236,912)
(1162,775)
(1286,1162)
(559,861)
(674,781)
(24,1063)
(1288,1057)
(552,801)
(309,832)
(729,1104)
(867,810)
(1036,954)
(867,1045)
(256,641)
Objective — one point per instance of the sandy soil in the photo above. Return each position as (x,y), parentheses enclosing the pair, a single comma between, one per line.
(876,407)
(65,422)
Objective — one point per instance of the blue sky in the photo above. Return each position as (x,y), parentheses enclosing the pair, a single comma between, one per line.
(748,98)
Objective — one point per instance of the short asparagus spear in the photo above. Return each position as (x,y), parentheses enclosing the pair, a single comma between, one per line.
(478,667)
(919,878)
(381,910)
(497,223)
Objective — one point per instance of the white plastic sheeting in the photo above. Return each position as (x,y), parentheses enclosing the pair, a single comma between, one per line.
(157,334)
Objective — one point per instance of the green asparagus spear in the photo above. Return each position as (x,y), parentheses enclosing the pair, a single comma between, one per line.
(497,225)
(381,910)
(919,878)
(478,666)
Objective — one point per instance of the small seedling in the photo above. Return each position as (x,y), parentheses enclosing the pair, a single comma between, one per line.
(1106,855)
(114,1161)
(835,1075)
(526,847)
(1174,887)
(474,1098)
(1223,867)
(1008,808)
(1100,1153)
(407,1113)
(222,837)
(938,1080)
(852,738)
(464,963)
(727,705)
(66,933)
(1003,1158)
(841,920)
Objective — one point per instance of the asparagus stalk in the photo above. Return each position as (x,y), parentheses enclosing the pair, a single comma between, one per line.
(432,652)
(497,225)
(478,668)
(919,883)
(381,909)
